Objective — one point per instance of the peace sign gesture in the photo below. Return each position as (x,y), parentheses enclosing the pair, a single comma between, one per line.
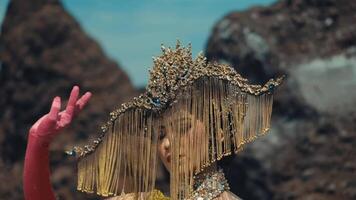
(53,122)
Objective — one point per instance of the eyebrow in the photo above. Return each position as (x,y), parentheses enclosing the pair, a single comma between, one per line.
(182,120)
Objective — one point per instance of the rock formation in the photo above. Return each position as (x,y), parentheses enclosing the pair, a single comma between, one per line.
(43,53)
(308,155)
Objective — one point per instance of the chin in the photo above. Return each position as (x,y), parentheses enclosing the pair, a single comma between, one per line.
(167,166)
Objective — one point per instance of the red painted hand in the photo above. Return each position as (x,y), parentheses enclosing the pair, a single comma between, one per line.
(37,185)
(49,125)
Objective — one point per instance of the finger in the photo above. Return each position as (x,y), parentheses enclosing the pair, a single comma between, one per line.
(72,100)
(56,106)
(84,99)
(82,102)
(48,121)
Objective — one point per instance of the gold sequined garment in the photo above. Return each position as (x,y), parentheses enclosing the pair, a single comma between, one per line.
(154,195)
(158,195)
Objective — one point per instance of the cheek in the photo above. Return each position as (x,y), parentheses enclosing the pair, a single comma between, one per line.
(199,132)
(199,137)
(162,153)
(161,150)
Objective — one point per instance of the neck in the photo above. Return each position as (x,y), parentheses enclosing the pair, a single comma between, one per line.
(206,172)
(209,183)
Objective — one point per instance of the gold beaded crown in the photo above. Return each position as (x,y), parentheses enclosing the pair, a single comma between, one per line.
(210,109)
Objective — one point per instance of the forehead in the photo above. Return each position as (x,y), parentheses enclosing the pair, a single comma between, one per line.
(179,115)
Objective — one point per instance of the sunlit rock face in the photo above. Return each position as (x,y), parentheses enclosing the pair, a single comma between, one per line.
(328,84)
(265,41)
(43,53)
(313,42)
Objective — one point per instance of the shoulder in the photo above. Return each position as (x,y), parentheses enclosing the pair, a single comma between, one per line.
(130,196)
(154,195)
(227,195)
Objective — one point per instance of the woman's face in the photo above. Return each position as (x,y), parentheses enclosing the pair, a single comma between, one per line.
(166,133)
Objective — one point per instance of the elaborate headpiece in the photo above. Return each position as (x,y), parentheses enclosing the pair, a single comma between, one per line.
(231,112)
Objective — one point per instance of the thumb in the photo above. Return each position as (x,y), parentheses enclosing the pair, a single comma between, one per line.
(48,124)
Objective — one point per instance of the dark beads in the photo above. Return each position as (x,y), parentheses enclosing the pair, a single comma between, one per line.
(271,88)
(71,153)
(156,101)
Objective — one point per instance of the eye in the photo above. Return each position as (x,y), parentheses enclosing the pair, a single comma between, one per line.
(182,124)
(162,133)
(186,125)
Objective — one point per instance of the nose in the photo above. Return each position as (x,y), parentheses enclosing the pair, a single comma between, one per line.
(166,144)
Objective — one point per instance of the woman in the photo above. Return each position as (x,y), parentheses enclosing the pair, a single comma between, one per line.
(193,114)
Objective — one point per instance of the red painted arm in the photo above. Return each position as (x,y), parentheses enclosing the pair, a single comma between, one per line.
(36,177)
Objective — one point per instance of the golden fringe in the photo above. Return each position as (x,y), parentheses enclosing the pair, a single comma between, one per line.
(125,161)
(210,120)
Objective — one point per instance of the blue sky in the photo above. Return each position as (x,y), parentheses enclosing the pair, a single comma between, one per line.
(131,32)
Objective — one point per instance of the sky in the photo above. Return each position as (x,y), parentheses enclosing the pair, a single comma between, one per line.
(131,32)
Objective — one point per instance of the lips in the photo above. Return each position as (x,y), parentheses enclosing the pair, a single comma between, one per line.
(169,157)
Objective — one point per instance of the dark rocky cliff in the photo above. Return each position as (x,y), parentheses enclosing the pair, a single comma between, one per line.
(43,53)
(308,154)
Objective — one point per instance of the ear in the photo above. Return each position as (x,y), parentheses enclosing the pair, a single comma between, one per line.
(220,135)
